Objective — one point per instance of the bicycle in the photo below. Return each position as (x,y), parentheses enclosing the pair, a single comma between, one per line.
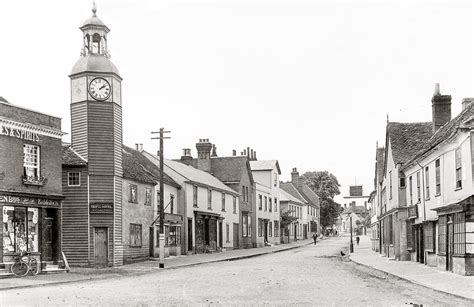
(25,264)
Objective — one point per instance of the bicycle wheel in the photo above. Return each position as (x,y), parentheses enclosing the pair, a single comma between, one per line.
(19,269)
(35,268)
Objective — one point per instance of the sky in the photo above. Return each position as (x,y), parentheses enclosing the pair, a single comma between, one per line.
(309,83)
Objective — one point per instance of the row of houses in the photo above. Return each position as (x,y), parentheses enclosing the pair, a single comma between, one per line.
(95,201)
(423,190)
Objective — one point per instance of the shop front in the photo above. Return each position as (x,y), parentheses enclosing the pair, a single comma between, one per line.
(30,224)
(173,227)
(206,231)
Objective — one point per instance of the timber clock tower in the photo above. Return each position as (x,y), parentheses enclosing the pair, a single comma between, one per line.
(96,134)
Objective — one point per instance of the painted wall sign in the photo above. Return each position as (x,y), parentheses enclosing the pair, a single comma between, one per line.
(19,133)
(29,201)
(101,207)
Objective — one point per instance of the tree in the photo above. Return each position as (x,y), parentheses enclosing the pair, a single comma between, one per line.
(286,218)
(326,186)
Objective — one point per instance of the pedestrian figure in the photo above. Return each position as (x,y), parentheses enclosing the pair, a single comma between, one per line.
(357,240)
(315,236)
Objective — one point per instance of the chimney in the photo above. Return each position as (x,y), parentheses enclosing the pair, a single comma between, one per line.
(295,177)
(214,151)
(186,154)
(441,108)
(234,152)
(466,102)
(244,153)
(204,155)
(139,147)
(248,152)
(251,154)
(255,155)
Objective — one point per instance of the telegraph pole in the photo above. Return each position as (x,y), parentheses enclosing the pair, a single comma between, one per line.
(162,192)
(352,243)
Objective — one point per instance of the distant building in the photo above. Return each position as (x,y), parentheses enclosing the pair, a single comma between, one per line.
(355,206)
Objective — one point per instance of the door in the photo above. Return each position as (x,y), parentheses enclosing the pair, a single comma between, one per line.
(296,231)
(190,235)
(265,231)
(152,240)
(100,246)
(422,245)
(220,234)
(47,254)
(305,231)
(449,245)
(236,235)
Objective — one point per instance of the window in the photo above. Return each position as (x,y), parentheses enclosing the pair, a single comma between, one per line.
(438,177)
(402,182)
(243,193)
(147,196)
(173,233)
(20,229)
(275,179)
(409,235)
(171,203)
(266,203)
(133,198)
(73,179)
(384,201)
(227,231)
(390,187)
(31,161)
(246,225)
(270,229)
(247,194)
(410,183)
(428,236)
(277,228)
(234,205)
(276,204)
(223,201)
(260,228)
(418,190)
(458,168)
(195,196)
(270,204)
(260,201)
(442,234)
(135,235)
(209,199)
(459,233)
(427,182)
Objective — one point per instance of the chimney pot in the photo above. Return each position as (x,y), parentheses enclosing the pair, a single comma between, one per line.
(245,153)
(204,155)
(234,152)
(255,155)
(437,91)
(136,146)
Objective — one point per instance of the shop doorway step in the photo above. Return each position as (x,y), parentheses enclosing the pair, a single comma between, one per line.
(50,267)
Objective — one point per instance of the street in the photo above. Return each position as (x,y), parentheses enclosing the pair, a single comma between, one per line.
(310,275)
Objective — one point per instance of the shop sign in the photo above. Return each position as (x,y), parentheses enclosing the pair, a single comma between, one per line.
(101,207)
(19,133)
(28,201)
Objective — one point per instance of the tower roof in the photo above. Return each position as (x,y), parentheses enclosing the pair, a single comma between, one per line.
(94,21)
(94,63)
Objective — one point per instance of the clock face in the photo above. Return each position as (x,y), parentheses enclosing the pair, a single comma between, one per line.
(99,89)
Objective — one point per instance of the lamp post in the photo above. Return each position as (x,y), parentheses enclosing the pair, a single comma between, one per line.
(351,247)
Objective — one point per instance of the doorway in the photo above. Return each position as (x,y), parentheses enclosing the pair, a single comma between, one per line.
(449,244)
(100,246)
(265,231)
(152,240)
(305,231)
(296,231)
(220,235)
(47,253)
(236,236)
(190,235)
(420,250)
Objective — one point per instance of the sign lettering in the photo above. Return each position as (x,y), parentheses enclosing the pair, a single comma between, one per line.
(101,207)
(19,133)
(28,201)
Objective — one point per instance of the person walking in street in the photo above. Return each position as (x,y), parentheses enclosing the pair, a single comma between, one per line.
(357,240)
(315,237)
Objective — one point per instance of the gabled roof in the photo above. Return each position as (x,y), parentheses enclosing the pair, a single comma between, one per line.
(406,139)
(289,188)
(230,169)
(309,195)
(70,157)
(380,159)
(138,168)
(181,172)
(265,165)
(445,133)
(287,197)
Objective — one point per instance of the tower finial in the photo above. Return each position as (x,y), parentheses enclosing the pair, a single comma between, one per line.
(94,9)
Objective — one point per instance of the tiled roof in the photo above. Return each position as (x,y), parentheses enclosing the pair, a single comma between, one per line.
(265,165)
(445,133)
(230,169)
(406,139)
(182,172)
(310,196)
(289,188)
(70,157)
(138,168)
(284,197)
(380,163)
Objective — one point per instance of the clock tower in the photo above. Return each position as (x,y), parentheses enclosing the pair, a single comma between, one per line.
(96,135)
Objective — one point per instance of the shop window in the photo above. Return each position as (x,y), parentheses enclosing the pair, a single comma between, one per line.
(428,236)
(133,197)
(442,234)
(135,235)
(438,177)
(20,229)
(227,233)
(147,196)
(458,168)
(73,179)
(270,229)
(195,196)
(31,162)
(209,199)
(469,233)
(223,201)
(459,233)
(234,205)
(173,235)
(277,228)
(171,203)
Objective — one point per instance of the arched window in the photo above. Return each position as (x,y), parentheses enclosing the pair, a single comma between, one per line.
(96,40)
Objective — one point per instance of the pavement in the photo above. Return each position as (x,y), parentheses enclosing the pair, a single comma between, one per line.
(430,277)
(84,274)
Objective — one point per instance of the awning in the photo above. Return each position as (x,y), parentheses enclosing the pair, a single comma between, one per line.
(459,206)
(210,214)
